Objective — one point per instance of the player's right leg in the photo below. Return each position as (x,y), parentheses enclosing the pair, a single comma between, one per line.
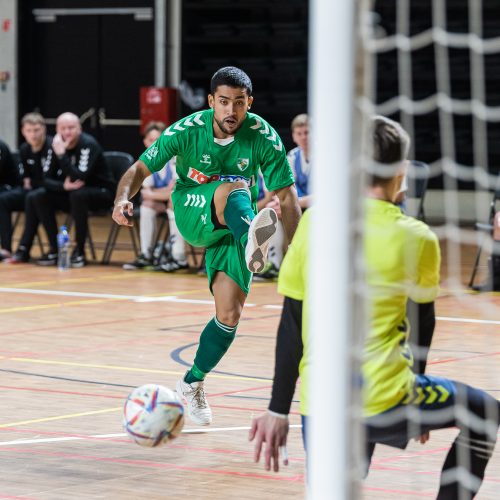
(215,340)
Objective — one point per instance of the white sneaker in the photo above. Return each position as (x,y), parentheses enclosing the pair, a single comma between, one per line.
(261,230)
(194,397)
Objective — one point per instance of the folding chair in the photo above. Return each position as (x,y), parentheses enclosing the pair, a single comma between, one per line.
(486,229)
(17,216)
(418,174)
(119,162)
(162,234)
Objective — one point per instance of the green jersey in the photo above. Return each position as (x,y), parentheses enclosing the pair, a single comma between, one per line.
(202,159)
(203,162)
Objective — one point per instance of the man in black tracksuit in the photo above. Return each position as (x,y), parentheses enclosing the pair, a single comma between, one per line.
(88,185)
(36,157)
(9,180)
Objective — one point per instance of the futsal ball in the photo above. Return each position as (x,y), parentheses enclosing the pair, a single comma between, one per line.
(153,415)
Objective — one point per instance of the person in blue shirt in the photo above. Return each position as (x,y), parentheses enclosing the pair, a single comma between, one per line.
(155,195)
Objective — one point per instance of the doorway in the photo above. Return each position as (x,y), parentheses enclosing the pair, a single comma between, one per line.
(88,60)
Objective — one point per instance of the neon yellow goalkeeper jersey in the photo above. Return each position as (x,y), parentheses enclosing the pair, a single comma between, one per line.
(402,260)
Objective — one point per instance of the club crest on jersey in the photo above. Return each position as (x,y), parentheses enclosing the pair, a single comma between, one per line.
(206,159)
(242,163)
(152,152)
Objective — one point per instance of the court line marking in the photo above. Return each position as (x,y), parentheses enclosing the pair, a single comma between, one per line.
(123,368)
(59,417)
(469,320)
(134,298)
(160,465)
(123,434)
(176,299)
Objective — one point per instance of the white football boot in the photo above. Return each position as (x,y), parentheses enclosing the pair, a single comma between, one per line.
(194,397)
(260,232)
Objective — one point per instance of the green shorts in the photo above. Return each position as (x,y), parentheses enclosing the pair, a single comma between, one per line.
(193,216)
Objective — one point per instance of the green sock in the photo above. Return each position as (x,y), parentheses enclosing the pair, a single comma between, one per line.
(214,342)
(238,214)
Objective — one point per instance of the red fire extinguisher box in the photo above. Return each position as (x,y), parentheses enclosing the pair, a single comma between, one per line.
(158,104)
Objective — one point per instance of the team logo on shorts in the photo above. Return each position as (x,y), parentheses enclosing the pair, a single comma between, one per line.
(242,163)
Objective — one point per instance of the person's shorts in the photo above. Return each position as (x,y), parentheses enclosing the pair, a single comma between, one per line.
(193,216)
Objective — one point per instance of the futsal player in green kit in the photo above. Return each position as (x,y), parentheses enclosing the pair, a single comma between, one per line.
(219,154)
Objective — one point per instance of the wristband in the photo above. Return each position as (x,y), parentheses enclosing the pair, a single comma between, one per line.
(277,415)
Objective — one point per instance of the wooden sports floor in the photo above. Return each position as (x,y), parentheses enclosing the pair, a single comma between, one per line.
(74,343)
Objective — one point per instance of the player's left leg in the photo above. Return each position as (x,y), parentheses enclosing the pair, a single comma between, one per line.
(477,416)
(215,340)
(234,209)
(439,403)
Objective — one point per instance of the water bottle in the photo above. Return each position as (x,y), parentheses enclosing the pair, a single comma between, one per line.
(63,249)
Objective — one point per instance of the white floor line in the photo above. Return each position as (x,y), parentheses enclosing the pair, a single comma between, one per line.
(198,430)
(469,320)
(135,298)
(171,298)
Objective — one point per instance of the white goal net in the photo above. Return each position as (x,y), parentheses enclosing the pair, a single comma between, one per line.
(433,66)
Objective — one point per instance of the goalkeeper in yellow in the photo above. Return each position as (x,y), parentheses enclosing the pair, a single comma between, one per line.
(402,260)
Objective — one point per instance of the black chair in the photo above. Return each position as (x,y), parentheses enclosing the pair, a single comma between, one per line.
(418,174)
(486,229)
(162,235)
(17,216)
(119,162)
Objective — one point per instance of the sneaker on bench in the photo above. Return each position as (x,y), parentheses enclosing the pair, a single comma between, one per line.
(174,265)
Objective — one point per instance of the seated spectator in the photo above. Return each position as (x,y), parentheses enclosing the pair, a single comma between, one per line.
(88,185)
(9,181)
(299,159)
(36,157)
(155,195)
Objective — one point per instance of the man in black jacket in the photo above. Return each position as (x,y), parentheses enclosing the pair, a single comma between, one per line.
(35,157)
(9,175)
(88,185)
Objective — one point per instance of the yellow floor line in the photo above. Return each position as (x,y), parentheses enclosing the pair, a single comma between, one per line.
(90,279)
(69,280)
(123,368)
(59,417)
(54,306)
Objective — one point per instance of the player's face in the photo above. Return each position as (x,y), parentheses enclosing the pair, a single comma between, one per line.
(69,129)
(230,107)
(300,136)
(151,137)
(34,134)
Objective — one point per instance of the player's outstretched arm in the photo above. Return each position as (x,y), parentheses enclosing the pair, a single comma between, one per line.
(272,427)
(272,430)
(128,186)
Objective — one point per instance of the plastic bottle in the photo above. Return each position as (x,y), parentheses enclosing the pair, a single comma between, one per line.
(63,249)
